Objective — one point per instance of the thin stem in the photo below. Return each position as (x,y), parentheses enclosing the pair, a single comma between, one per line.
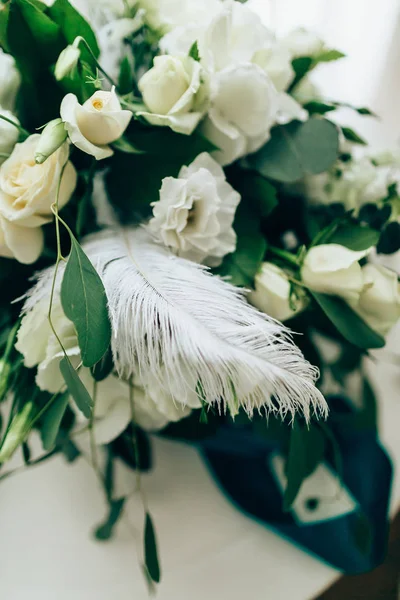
(93,446)
(136,448)
(284,255)
(17,125)
(98,65)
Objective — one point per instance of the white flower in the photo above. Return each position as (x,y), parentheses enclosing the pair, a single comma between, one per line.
(272,293)
(10,81)
(302,42)
(244,105)
(334,269)
(306,91)
(9,134)
(165,15)
(276,62)
(195,212)
(379,303)
(175,92)
(27,191)
(51,138)
(67,61)
(95,124)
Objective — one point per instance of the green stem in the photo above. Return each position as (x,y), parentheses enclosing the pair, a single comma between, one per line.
(93,447)
(284,255)
(136,448)
(17,125)
(82,40)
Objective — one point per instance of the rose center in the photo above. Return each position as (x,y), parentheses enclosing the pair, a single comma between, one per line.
(97,104)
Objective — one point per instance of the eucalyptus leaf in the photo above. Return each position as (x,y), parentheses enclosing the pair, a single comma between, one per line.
(296,466)
(51,421)
(84,301)
(316,107)
(105,531)
(301,66)
(355,237)
(125,79)
(150,550)
(298,149)
(352,136)
(347,322)
(76,387)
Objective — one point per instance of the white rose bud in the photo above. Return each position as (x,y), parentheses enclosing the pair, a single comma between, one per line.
(52,137)
(302,42)
(9,134)
(379,303)
(175,92)
(67,61)
(27,191)
(272,293)
(17,432)
(335,270)
(95,124)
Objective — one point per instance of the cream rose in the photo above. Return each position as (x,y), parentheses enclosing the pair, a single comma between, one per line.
(95,124)
(302,42)
(272,293)
(379,302)
(195,212)
(175,92)
(9,134)
(244,105)
(334,269)
(27,191)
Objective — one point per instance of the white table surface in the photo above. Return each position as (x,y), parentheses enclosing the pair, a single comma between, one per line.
(208,549)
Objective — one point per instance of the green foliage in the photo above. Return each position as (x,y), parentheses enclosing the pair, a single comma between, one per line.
(51,421)
(104,367)
(298,149)
(355,237)
(316,107)
(76,387)
(125,79)
(194,51)
(123,448)
(389,242)
(347,322)
(84,302)
(256,192)
(150,550)
(301,67)
(352,136)
(105,530)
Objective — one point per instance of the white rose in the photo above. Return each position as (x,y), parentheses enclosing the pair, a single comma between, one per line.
(379,303)
(302,42)
(10,81)
(195,212)
(175,92)
(244,106)
(8,134)
(276,62)
(95,124)
(334,269)
(27,191)
(272,293)
(165,15)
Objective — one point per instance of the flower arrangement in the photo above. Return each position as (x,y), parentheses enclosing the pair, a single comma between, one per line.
(171,191)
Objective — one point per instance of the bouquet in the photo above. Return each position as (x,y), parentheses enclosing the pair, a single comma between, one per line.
(176,199)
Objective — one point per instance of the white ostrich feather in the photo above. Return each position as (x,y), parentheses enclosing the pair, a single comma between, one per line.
(191,332)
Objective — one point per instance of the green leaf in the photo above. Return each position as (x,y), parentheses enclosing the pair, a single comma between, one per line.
(4,13)
(389,242)
(319,108)
(328,56)
(124,145)
(194,51)
(76,387)
(301,66)
(150,550)
(347,322)
(242,265)
(104,367)
(352,136)
(123,448)
(354,237)
(125,79)
(51,421)
(298,149)
(105,531)
(72,24)
(363,533)
(84,301)
(296,466)
(254,189)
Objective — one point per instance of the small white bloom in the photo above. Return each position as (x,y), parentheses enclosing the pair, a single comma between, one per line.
(51,138)
(379,303)
(27,191)
(272,293)
(195,212)
(175,92)
(67,61)
(10,80)
(244,105)
(95,124)
(334,269)
(9,134)
(302,42)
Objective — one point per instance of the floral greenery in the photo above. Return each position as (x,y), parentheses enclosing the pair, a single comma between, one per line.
(303,192)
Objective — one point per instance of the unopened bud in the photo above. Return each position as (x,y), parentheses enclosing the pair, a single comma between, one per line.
(53,136)
(67,61)
(17,432)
